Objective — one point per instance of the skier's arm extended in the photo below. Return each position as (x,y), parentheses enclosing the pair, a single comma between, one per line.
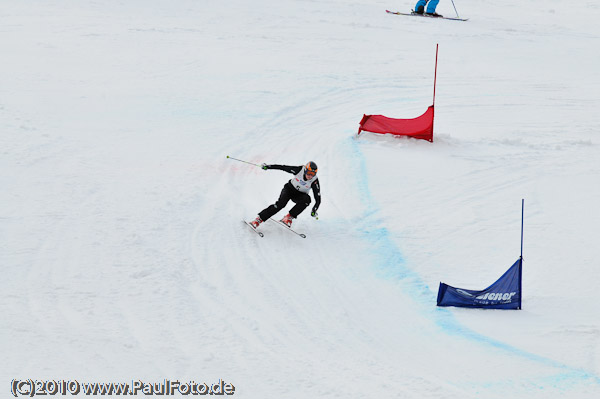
(290,169)
(316,188)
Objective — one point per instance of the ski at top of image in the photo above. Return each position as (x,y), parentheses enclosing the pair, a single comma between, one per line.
(414,14)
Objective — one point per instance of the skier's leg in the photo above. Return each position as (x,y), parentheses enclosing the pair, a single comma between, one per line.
(431,6)
(284,197)
(302,201)
(420,6)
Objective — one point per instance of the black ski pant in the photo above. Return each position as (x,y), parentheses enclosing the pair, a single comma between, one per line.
(302,200)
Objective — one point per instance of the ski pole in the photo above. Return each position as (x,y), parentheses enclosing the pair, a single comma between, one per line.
(455,8)
(239,160)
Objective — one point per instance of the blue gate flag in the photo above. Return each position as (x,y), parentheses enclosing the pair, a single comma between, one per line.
(503,294)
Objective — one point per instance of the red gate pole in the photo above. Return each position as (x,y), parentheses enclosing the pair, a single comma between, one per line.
(435,73)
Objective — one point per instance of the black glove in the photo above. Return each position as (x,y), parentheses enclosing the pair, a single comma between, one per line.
(314,213)
(265,166)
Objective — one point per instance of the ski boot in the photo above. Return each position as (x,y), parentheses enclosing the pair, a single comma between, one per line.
(256,222)
(287,220)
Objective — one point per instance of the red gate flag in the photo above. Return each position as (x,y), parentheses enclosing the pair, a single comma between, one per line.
(419,128)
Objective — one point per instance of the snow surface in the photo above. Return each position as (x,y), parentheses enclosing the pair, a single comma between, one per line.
(123,255)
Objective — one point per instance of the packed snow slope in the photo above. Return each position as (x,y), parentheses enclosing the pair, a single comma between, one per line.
(122,249)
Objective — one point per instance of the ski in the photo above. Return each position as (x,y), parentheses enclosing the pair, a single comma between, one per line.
(260,233)
(414,14)
(279,222)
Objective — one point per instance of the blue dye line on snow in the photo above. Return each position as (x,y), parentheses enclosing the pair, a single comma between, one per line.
(390,264)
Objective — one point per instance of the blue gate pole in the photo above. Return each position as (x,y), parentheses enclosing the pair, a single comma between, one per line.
(521,258)
(522,214)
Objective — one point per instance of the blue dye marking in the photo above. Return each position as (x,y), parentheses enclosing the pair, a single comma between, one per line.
(389,264)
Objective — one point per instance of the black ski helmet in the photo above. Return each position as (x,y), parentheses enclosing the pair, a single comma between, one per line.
(310,168)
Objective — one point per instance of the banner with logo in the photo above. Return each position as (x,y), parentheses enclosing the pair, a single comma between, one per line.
(503,294)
